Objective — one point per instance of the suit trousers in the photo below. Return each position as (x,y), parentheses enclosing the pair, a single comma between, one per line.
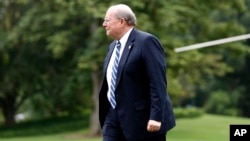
(112,130)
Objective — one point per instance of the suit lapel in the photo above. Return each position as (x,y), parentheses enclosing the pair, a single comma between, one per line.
(128,47)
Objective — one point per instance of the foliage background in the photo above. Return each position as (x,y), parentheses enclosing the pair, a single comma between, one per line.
(51,54)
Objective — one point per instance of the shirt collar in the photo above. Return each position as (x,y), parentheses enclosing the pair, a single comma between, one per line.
(124,38)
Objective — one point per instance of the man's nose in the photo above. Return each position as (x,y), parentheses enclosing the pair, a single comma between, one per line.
(104,24)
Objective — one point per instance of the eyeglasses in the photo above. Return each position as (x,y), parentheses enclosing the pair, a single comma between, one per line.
(108,20)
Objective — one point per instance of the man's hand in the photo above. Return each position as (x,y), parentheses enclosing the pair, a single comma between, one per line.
(153,126)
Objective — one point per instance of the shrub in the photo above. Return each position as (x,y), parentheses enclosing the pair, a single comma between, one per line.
(188,112)
(223,103)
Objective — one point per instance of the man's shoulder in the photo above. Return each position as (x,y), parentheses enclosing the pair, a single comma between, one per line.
(144,34)
(141,32)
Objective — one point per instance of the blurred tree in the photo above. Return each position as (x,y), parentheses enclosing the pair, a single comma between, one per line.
(205,21)
(233,21)
(37,59)
(242,75)
(52,51)
(13,66)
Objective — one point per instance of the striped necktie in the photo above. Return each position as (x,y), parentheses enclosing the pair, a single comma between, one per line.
(114,74)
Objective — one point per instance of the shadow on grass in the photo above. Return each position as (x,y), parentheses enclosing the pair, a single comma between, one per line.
(45,126)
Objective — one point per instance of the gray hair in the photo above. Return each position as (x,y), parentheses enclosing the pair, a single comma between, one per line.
(124,11)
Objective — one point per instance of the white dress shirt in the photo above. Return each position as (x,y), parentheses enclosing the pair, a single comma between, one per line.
(123,42)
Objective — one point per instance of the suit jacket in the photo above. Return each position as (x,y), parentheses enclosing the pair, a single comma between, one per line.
(140,87)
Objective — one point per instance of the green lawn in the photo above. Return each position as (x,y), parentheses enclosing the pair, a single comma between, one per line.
(205,128)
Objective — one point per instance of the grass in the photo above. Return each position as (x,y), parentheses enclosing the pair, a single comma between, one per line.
(72,136)
(205,128)
(45,127)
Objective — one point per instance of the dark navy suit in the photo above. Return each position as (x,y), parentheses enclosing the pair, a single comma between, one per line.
(140,87)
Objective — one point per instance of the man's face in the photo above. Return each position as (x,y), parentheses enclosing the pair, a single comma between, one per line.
(112,24)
